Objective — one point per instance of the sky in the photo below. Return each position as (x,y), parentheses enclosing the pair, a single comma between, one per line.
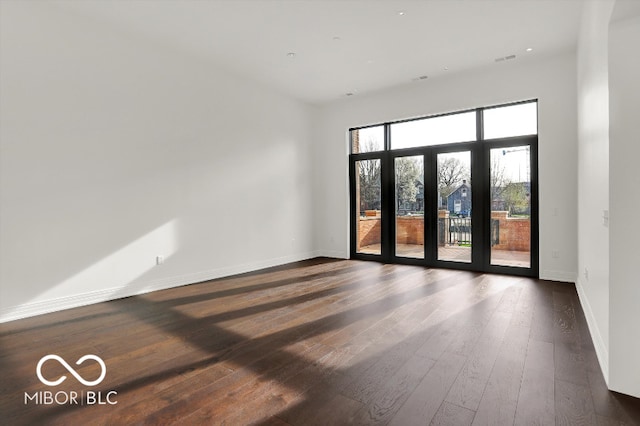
(513,120)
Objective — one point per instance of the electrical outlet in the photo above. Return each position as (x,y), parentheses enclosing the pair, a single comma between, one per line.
(555,254)
(586,274)
(159,260)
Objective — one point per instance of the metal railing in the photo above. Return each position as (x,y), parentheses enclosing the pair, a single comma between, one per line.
(454,231)
(457,231)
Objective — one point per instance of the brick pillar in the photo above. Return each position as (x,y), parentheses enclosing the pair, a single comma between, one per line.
(443,215)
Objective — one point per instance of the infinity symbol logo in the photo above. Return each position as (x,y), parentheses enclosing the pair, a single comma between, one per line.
(71,370)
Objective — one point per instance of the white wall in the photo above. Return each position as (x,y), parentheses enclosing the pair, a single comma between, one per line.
(115,149)
(608,149)
(593,173)
(624,143)
(550,79)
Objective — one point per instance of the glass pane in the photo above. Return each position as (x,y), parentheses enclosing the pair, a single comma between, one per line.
(434,131)
(454,206)
(369,139)
(369,229)
(511,206)
(409,196)
(514,120)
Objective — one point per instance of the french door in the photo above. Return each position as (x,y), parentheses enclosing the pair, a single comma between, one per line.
(466,205)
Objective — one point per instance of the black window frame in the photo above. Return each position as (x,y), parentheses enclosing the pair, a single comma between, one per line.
(480,170)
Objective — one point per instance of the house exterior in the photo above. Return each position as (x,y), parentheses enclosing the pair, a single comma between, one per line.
(514,198)
(459,201)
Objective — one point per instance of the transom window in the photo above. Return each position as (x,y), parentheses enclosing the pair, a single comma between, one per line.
(503,121)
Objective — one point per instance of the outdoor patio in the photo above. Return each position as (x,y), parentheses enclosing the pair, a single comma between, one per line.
(519,259)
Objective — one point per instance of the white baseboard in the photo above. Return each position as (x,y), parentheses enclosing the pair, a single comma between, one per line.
(562,276)
(59,304)
(336,254)
(598,342)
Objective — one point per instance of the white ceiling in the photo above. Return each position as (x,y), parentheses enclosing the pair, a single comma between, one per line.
(342,46)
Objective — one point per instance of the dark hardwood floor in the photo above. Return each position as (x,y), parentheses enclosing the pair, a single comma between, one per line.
(320,342)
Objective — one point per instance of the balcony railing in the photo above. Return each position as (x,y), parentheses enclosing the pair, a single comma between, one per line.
(454,231)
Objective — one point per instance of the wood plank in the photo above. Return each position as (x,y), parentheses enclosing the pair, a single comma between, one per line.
(565,328)
(542,323)
(536,404)
(469,386)
(272,421)
(573,404)
(390,395)
(328,409)
(452,415)
(570,362)
(499,400)
(424,402)
(366,383)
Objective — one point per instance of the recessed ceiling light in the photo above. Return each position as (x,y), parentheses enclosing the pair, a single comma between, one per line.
(401,13)
(529,49)
(446,68)
(291,55)
(423,77)
(348,94)
(337,38)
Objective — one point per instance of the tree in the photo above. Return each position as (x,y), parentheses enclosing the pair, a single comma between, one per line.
(499,179)
(451,173)
(369,180)
(513,195)
(408,171)
(516,198)
(408,176)
(369,184)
